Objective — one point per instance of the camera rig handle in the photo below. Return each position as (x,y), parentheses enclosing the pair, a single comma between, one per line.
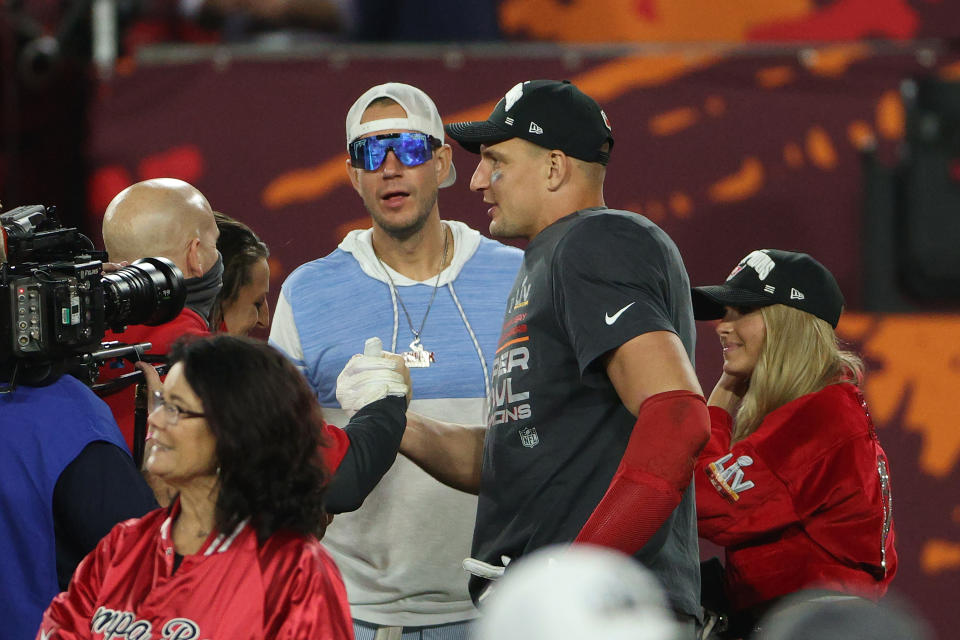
(131,353)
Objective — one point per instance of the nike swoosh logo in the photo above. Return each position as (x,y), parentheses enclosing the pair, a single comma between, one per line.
(613,318)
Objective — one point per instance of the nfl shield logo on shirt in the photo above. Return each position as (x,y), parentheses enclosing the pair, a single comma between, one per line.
(529,437)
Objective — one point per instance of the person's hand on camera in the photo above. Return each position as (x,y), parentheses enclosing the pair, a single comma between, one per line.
(110,267)
(371,376)
(152,378)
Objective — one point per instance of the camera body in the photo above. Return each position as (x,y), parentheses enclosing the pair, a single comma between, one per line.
(56,302)
(53,310)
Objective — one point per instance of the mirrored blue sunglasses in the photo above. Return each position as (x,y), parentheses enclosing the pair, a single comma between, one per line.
(411,149)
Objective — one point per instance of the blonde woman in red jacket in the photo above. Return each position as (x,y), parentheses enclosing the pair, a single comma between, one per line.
(793,482)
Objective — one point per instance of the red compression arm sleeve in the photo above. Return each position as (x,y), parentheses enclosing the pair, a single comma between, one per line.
(656,469)
(335,448)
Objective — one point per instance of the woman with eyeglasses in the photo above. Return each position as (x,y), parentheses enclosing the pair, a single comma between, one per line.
(238,432)
(793,482)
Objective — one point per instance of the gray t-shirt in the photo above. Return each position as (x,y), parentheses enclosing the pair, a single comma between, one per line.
(557,429)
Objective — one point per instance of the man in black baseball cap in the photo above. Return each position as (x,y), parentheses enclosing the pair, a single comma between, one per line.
(772,276)
(596,414)
(550,114)
(540,127)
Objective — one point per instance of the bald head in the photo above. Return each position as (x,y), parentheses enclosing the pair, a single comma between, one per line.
(162,217)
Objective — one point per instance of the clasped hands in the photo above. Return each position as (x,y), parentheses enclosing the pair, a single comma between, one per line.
(371,376)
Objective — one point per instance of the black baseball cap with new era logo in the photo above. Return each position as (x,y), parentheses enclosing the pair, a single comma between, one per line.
(772,276)
(550,114)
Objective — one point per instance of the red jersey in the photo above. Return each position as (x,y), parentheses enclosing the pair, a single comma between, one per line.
(286,589)
(804,501)
(121,403)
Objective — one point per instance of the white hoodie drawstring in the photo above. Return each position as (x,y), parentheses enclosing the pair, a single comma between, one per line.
(396,317)
(476,345)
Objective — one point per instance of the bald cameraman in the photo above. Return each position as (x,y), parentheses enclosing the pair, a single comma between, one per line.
(168,218)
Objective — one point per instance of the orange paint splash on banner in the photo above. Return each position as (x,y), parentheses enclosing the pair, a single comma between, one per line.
(856,326)
(820,149)
(834,61)
(306,184)
(681,205)
(673,121)
(747,181)
(611,80)
(773,77)
(919,365)
(861,135)
(939,555)
(890,116)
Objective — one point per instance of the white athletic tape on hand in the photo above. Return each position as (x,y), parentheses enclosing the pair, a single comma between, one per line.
(373,347)
(369,377)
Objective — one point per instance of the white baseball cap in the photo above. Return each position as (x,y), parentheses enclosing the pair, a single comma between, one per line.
(422,116)
(571,593)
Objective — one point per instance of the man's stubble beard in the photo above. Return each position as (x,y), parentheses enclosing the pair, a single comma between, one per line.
(404,232)
(505,229)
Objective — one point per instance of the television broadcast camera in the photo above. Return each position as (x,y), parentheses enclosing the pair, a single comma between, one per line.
(56,302)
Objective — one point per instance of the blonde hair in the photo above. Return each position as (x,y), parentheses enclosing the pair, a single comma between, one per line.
(800,354)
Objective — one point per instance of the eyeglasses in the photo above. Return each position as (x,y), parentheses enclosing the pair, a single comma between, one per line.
(411,149)
(171,412)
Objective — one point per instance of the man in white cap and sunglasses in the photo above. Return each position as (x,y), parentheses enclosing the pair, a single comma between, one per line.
(433,290)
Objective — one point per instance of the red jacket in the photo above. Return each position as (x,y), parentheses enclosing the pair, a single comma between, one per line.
(286,589)
(121,403)
(804,501)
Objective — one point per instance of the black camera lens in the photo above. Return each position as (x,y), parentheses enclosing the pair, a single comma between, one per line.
(149,291)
